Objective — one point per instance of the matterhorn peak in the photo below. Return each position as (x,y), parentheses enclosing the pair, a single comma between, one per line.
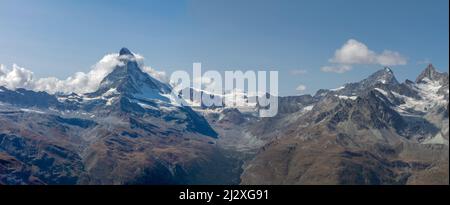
(125,52)
(128,78)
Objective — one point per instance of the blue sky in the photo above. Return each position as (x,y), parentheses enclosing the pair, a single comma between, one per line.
(297,38)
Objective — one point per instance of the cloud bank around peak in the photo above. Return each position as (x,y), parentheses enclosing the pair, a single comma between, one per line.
(354,52)
(80,82)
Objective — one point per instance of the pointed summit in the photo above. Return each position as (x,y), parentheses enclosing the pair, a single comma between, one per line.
(384,76)
(387,69)
(125,51)
(430,73)
(128,78)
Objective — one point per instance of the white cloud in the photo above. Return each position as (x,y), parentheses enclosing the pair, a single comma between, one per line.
(390,58)
(355,52)
(301,88)
(160,75)
(15,77)
(299,72)
(79,82)
(336,68)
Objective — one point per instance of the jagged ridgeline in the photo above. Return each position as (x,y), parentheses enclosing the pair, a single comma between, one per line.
(131,131)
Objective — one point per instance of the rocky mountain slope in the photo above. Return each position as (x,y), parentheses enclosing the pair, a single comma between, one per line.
(376,131)
(128,131)
(131,130)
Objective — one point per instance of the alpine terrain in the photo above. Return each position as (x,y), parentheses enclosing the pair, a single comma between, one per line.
(132,130)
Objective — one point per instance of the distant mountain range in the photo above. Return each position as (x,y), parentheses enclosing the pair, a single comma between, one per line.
(131,131)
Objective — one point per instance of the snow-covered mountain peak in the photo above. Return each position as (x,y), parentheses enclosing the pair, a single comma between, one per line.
(431,74)
(384,76)
(128,78)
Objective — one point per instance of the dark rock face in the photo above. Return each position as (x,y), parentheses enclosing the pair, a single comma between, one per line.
(197,123)
(292,104)
(28,98)
(38,162)
(232,115)
(432,74)
(125,51)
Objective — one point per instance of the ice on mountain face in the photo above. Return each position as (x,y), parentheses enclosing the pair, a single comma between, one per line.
(32,111)
(110,101)
(410,104)
(71,98)
(429,86)
(385,76)
(146,106)
(432,74)
(381,91)
(344,97)
(87,98)
(110,92)
(438,139)
(148,93)
(337,89)
(428,91)
(167,108)
(159,107)
(413,98)
(230,99)
(308,108)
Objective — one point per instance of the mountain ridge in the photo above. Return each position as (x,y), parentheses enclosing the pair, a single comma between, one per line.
(130,131)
